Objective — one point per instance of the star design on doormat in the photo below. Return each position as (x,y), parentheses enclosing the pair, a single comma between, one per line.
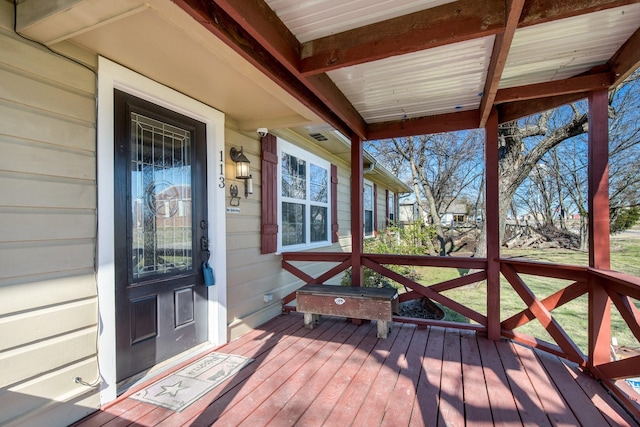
(172,390)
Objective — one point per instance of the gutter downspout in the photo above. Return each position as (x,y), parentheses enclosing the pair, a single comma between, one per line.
(370,169)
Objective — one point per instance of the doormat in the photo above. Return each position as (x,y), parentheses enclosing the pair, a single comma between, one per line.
(182,388)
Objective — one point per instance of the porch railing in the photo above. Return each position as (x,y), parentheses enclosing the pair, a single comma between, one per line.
(617,288)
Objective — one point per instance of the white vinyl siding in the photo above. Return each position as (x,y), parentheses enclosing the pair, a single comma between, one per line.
(48,305)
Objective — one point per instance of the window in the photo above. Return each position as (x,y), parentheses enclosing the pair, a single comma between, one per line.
(368,203)
(392,207)
(303,198)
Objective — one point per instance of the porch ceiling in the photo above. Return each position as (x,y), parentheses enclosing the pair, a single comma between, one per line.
(404,67)
(373,68)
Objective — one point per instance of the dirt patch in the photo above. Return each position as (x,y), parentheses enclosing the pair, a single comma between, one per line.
(422,308)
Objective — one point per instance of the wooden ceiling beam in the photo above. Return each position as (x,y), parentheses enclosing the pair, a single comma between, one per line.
(578,84)
(519,109)
(501,47)
(541,11)
(449,122)
(626,60)
(254,31)
(257,18)
(449,23)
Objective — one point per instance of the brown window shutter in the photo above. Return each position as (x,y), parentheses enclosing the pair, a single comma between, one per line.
(269,209)
(375,209)
(334,204)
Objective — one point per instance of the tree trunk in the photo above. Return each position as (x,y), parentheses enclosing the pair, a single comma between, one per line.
(417,192)
(584,233)
(435,216)
(514,165)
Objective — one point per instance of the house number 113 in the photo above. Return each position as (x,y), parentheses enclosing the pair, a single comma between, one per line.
(221,184)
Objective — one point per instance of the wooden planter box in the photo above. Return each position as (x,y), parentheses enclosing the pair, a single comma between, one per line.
(346,301)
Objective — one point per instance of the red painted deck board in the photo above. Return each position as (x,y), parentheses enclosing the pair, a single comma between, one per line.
(262,355)
(340,374)
(553,402)
(426,403)
(132,416)
(354,396)
(503,407)
(332,355)
(376,401)
(524,393)
(234,407)
(476,400)
(451,411)
(582,407)
(600,398)
(322,390)
(404,393)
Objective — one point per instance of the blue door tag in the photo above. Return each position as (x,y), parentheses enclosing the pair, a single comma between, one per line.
(207,270)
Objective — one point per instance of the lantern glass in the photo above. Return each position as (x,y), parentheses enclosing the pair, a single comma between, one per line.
(242,170)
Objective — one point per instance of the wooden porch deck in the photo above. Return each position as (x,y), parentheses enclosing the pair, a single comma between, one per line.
(340,374)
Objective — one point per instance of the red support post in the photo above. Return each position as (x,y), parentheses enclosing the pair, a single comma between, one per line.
(492,226)
(599,245)
(598,175)
(357,213)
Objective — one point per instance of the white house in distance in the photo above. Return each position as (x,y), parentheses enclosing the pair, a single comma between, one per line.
(456,213)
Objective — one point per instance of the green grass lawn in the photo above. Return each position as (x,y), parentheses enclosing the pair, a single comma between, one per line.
(572,317)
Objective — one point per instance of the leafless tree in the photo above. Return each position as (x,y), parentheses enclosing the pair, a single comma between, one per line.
(523,144)
(441,167)
(547,150)
(570,159)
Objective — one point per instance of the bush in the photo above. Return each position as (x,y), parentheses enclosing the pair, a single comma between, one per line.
(624,219)
(407,240)
(372,279)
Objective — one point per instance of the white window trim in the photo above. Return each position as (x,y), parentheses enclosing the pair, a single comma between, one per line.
(287,147)
(366,183)
(113,76)
(391,207)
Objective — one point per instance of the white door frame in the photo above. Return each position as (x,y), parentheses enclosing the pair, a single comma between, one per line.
(113,76)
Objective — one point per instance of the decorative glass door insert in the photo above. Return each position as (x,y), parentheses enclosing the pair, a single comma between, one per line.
(161,198)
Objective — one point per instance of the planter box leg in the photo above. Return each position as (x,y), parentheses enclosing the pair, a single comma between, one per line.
(384,327)
(311,320)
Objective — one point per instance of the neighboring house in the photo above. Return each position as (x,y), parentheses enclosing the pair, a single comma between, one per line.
(456,213)
(531,218)
(116,175)
(407,212)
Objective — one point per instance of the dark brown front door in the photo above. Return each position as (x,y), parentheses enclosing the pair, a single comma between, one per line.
(160,210)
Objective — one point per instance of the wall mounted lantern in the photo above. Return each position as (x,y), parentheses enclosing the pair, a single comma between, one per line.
(242,163)
(243,172)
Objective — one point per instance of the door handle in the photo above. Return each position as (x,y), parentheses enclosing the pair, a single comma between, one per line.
(204,243)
